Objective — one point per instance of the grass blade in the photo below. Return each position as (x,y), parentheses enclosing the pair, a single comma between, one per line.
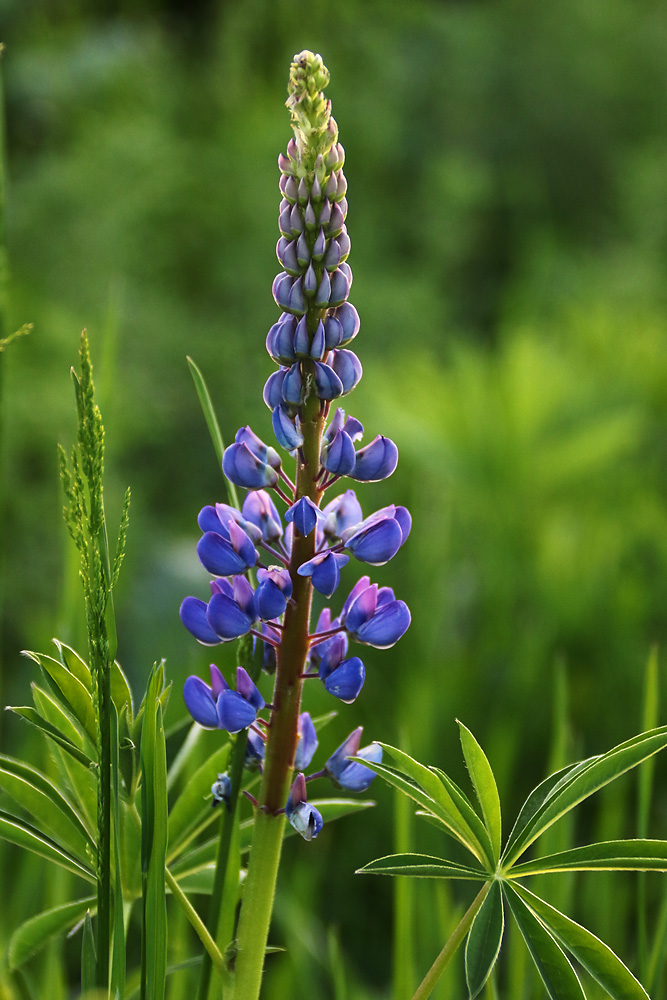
(213,425)
(153,844)
(35,933)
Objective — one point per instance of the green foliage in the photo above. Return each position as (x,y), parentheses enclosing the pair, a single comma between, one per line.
(548,933)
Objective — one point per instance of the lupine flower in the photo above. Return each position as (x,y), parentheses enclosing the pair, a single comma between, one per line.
(379,536)
(304,515)
(376,461)
(226,556)
(274,588)
(324,571)
(307,744)
(249,462)
(349,774)
(340,514)
(260,510)
(254,752)
(305,819)
(220,707)
(375,617)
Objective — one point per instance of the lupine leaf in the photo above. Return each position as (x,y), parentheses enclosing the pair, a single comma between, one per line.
(121,693)
(194,802)
(421,866)
(467,810)
(28,713)
(48,807)
(74,663)
(36,932)
(77,697)
(595,956)
(54,710)
(485,786)
(610,855)
(557,974)
(432,794)
(17,832)
(593,776)
(484,940)
(118,942)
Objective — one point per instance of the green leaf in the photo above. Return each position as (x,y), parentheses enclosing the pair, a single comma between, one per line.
(485,787)
(121,692)
(432,794)
(74,663)
(583,782)
(28,713)
(35,933)
(153,841)
(77,697)
(598,959)
(610,855)
(212,424)
(118,943)
(47,805)
(552,963)
(88,958)
(484,940)
(17,832)
(421,866)
(194,802)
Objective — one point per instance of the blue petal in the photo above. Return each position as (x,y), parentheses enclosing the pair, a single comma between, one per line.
(217,555)
(287,433)
(386,626)
(199,702)
(226,618)
(340,456)
(234,712)
(307,744)
(193,615)
(269,601)
(376,461)
(247,688)
(303,514)
(347,680)
(378,543)
(327,383)
(244,469)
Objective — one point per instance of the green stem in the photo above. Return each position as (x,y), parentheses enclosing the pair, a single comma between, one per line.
(429,981)
(260,884)
(196,921)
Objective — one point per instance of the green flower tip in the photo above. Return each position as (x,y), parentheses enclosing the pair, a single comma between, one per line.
(314,127)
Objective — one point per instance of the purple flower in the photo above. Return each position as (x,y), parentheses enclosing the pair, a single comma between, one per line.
(380,536)
(343,512)
(304,514)
(260,510)
(376,461)
(254,752)
(305,819)
(374,617)
(349,774)
(273,590)
(218,706)
(324,571)
(229,614)
(307,744)
(249,462)
(226,556)
(286,429)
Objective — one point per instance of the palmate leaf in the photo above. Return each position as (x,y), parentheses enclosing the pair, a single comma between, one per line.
(595,956)
(17,832)
(582,782)
(485,787)
(35,933)
(557,974)
(610,855)
(76,695)
(484,940)
(32,716)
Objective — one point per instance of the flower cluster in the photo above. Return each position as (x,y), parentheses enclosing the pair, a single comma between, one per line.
(264,567)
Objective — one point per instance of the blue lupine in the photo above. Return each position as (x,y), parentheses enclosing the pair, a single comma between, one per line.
(324,571)
(226,556)
(349,774)
(304,515)
(305,819)
(307,745)
(220,707)
(221,790)
(274,588)
(309,344)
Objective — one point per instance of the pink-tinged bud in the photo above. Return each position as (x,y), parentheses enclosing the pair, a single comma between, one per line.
(340,287)
(323,292)
(310,282)
(348,317)
(292,150)
(302,251)
(290,191)
(295,220)
(342,186)
(310,217)
(332,256)
(284,164)
(320,246)
(344,243)
(316,190)
(287,255)
(303,191)
(337,220)
(301,340)
(284,224)
(325,214)
(331,187)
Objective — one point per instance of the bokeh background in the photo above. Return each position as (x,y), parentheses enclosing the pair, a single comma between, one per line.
(508,216)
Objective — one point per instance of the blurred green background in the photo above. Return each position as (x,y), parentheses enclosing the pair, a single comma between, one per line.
(508,215)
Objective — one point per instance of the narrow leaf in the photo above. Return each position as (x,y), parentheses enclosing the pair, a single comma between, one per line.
(17,832)
(212,424)
(88,958)
(584,782)
(74,663)
(610,855)
(121,692)
(28,713)
(421,866)
(35,933)
(153,842)
(194,801)
(557,974)
(484,940)
(485,787)
(598,959)
(118,943)
(73,691)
